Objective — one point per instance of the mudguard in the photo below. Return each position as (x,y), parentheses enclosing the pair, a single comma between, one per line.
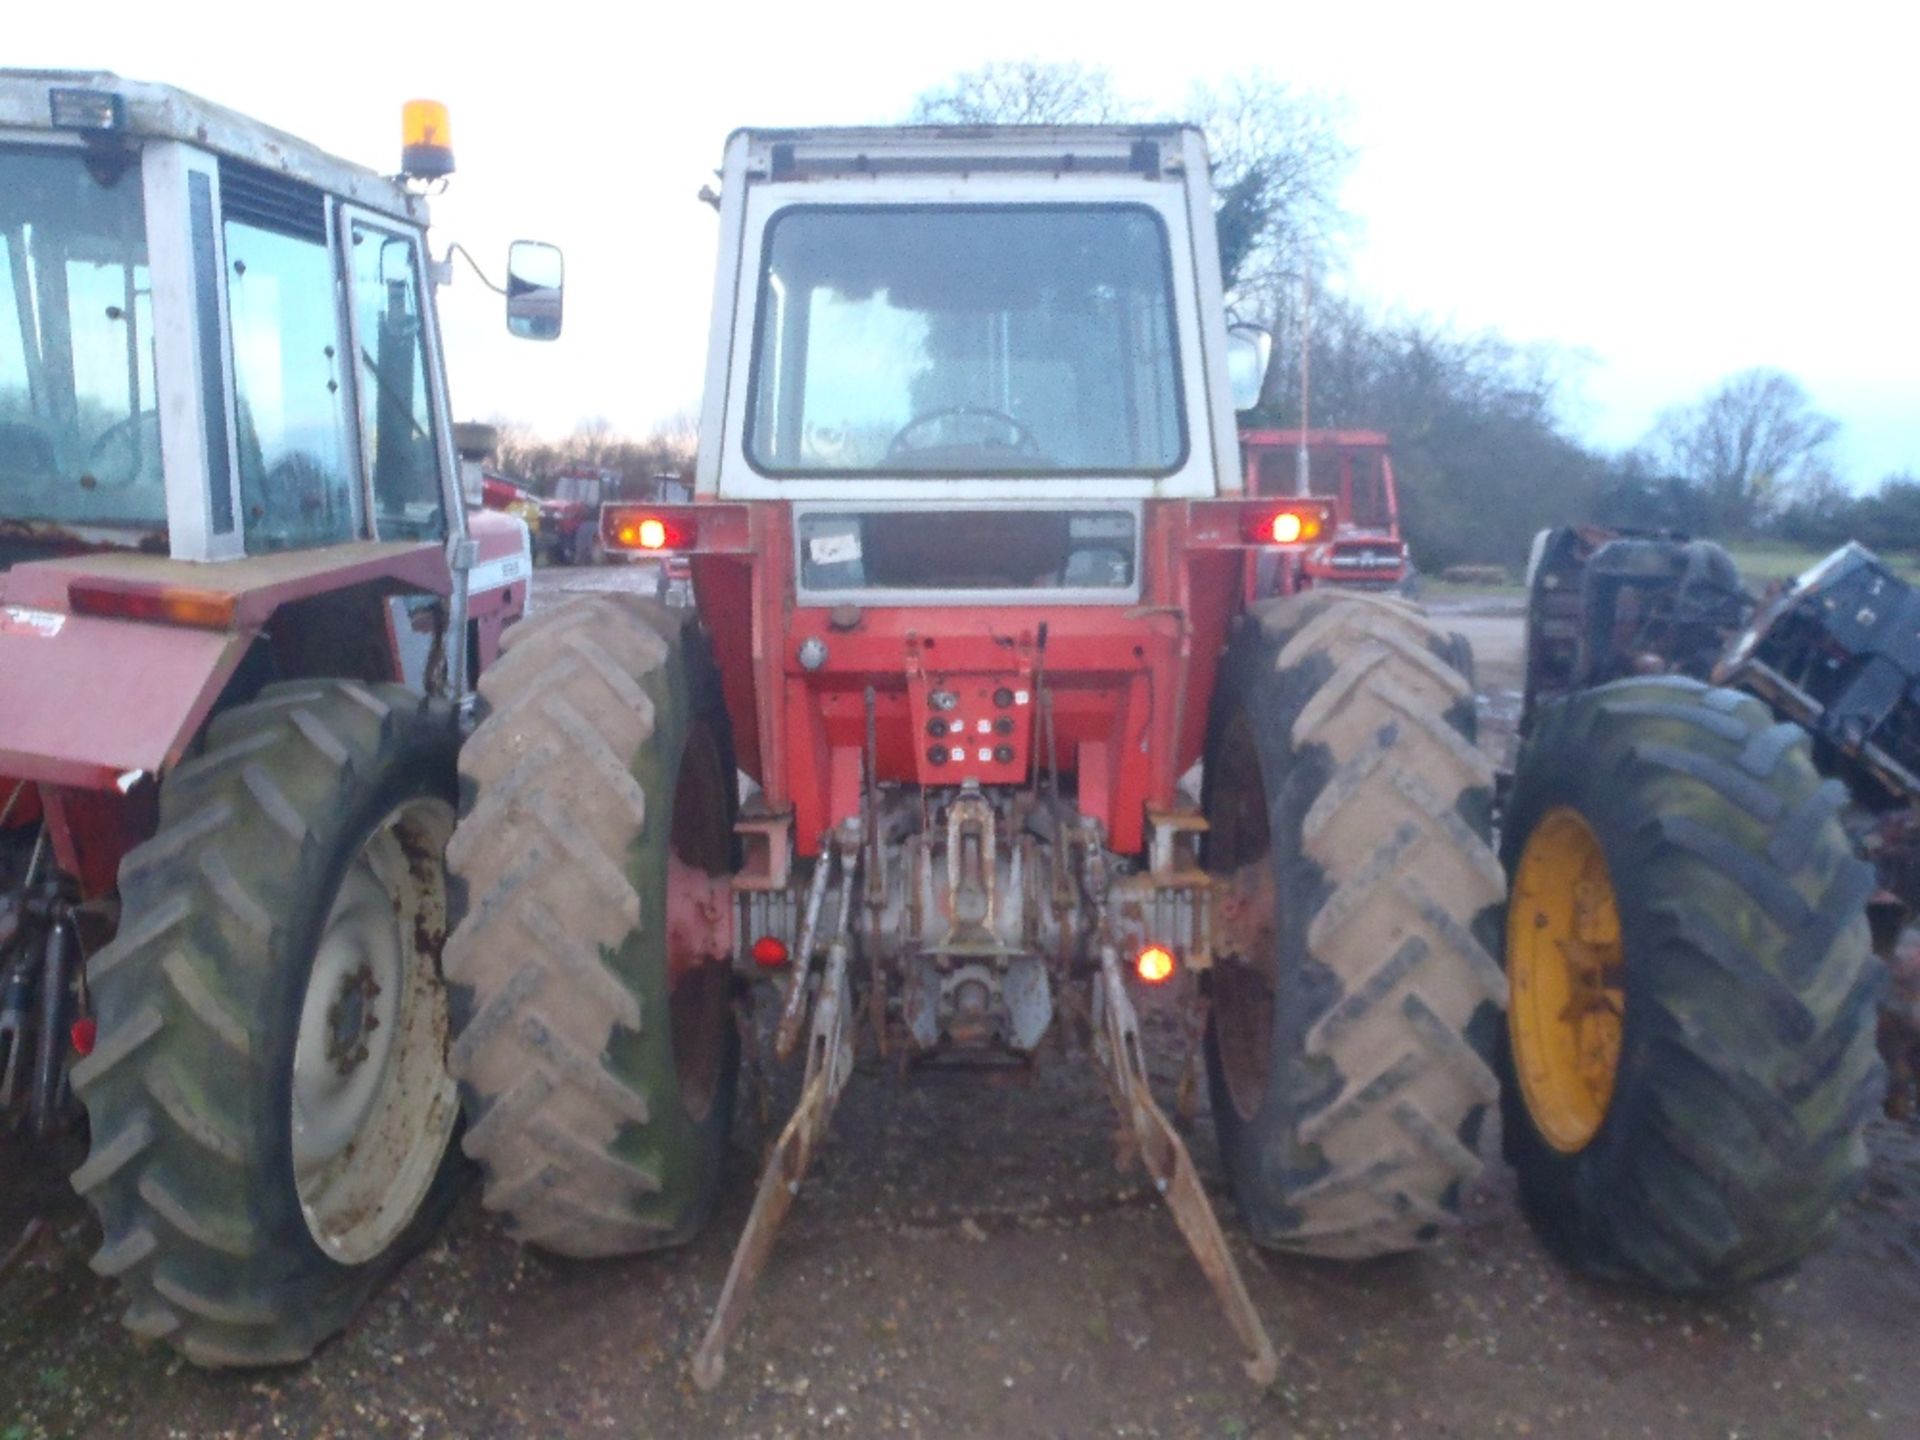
(95,703)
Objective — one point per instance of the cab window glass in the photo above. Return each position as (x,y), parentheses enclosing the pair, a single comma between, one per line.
(396,409)
(299,485)
(79,424)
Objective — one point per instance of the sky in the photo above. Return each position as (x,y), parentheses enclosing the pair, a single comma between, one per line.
(1670,192)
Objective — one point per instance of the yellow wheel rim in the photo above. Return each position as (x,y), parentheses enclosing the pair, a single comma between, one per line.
(1567,980)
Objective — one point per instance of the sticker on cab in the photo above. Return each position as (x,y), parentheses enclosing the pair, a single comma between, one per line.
(834,549)
(41,624)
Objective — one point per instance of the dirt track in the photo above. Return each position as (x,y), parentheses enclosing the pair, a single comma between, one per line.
(966,1261)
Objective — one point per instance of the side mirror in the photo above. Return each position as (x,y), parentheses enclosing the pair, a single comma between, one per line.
(536,275)
(1249,351)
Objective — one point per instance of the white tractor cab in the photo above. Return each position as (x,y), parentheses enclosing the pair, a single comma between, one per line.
(217,341)
(240,604)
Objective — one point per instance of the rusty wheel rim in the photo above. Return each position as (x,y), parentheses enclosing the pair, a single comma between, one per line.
(373,1106)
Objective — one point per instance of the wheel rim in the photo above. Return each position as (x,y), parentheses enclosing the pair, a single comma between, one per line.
(373,1106)
(1566,974)
(700,924)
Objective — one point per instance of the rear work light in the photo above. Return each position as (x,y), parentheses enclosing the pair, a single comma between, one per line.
(161,604)
(101,112)
(1297,522)
(624,527)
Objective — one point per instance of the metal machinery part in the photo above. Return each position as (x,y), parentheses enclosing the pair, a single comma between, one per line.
(954,922)
(1602,605)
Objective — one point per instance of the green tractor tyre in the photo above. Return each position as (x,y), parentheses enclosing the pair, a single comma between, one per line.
(1689,1059)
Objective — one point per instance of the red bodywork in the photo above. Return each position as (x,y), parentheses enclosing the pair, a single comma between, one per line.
(1353,469)
(110,663)
(499,493)
(1129,683)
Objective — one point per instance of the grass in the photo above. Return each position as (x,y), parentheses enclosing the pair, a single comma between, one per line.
(1760,562)
(1764,560)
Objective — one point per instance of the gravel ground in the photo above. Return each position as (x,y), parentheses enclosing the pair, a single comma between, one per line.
(966,1261)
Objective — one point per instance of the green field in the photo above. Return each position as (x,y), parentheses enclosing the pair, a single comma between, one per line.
(1760,561)
(1764,560)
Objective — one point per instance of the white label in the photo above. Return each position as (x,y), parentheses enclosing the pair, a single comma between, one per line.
(1019,697)
(495,574)
(834,549)
(986,727)
(959,753)
(985,754)
(18,620)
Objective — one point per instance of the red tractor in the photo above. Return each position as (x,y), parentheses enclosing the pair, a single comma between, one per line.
(570,516)
(1353,469)
(240,603)
(970,546)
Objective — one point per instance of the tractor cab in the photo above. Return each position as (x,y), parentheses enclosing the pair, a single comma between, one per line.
(221,393)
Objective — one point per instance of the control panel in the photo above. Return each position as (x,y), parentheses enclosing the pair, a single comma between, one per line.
(973,727)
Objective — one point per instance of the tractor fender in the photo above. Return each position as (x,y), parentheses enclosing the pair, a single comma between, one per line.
(94,703)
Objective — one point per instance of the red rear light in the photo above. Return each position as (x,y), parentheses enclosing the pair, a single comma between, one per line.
(633,527)
(1154,965)
(1297,522)
(769,952)
(164,604)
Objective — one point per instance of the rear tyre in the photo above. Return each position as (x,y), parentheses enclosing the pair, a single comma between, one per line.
(1355,997)
(591,961)
(271,1113)
(1689,1061)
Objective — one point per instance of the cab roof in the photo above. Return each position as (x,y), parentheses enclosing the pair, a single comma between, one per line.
(1148,150)
(161,112)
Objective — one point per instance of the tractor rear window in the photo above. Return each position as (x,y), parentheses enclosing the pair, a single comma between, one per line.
(1093,552)
(966,340)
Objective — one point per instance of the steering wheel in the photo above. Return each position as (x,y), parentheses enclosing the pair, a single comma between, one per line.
(1023,438)
(117,457)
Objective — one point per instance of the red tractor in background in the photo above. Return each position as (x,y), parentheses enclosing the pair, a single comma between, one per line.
(241,600)
(1353,469)
(570,514)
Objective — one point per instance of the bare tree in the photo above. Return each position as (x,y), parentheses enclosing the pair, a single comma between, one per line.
(1745,446)
(534,461)
(1024,92)
(1278,161)
(679,433)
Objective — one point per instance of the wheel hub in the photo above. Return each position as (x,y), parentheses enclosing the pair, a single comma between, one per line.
(1566,971)
(351,1020)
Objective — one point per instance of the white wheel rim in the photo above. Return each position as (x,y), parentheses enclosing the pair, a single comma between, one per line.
(373,1105)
